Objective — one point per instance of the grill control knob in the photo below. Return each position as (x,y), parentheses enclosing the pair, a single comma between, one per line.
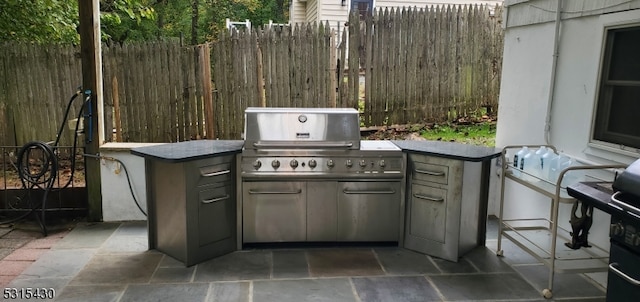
(363,163)
(349,163)
(275,164)
(330,163)
(382,163)
(312,163)
(257,164)
(616,229)
(293,163)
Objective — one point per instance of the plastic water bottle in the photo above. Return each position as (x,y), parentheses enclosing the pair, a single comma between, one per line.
(517,157)
(535,168)
(558,164)
(539,153)
(546,161)
(528,164)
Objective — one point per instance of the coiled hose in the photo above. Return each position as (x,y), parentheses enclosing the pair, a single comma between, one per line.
(38,166)
(35,170)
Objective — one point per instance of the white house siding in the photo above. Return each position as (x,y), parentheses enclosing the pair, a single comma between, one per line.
(312,11)
(297,12)
(524,92)
(333,12)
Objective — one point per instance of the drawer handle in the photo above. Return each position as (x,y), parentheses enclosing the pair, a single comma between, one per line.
(275,192)
(622,275)
(368,192)
(218,173)
(432,173)
(425,197)
(216,199)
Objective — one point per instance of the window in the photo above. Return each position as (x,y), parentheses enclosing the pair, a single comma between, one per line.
(617,119)
(364,7)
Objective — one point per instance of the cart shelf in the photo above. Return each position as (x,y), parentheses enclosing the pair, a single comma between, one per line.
(542,237)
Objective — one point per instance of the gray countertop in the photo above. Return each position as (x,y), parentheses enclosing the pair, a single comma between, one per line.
(198,149)
(189,150)
(449,150)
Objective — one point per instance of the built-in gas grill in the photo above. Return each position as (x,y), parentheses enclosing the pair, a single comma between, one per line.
(623,282)
(621,199)
(307,177)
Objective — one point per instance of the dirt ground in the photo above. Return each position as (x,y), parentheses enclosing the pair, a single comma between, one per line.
(9,179)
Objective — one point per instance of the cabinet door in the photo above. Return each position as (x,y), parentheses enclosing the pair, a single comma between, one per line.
(274,212)
(369,211)
(428,213)
(216,215)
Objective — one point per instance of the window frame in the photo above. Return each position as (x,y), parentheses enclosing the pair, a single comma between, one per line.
(603,91)
(370,2)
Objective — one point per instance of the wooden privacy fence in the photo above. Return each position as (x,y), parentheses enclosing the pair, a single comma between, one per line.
(36,83)
(277,67)
(153,92)
(427,65)
(416,65)
(157,92)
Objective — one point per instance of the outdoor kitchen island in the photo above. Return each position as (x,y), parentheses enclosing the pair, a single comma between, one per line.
(194,205)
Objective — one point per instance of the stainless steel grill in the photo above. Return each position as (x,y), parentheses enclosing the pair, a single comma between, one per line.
(313,143)
(306,176)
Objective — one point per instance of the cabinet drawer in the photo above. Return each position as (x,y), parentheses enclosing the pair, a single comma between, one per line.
(216,211)
(430,172)
(209,172)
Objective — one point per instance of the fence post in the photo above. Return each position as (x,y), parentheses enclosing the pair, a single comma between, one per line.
(205,77)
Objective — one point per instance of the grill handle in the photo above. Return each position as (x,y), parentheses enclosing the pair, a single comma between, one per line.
(275,192)
(368,192)
(218,173)
(425,197)
(212,200)
(615,270)
(432,173)
(622,204)
(298,145)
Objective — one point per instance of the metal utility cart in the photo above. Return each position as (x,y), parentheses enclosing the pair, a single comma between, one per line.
(540,236)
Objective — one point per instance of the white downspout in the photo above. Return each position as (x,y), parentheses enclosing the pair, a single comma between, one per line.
(554,64)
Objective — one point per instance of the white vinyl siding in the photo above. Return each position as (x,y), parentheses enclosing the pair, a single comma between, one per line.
(526,12)
(312,11)
(297,12)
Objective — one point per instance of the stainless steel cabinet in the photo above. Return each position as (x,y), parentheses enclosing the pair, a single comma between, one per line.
(192,208)
(369,211)
(321,211)
(443,206)
(274,211)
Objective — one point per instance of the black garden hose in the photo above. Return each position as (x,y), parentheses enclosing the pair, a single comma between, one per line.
(38,166)
(35,170)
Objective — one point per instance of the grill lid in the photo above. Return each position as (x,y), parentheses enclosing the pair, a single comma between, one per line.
(628,181)
(293,128)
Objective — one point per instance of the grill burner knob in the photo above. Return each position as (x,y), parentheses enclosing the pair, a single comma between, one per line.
(617,229)
(635,240)
(330,163)
(293,163)
(275,164)
(312,163)
(382,163)
(257,164)
(349,163)
(363,163)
